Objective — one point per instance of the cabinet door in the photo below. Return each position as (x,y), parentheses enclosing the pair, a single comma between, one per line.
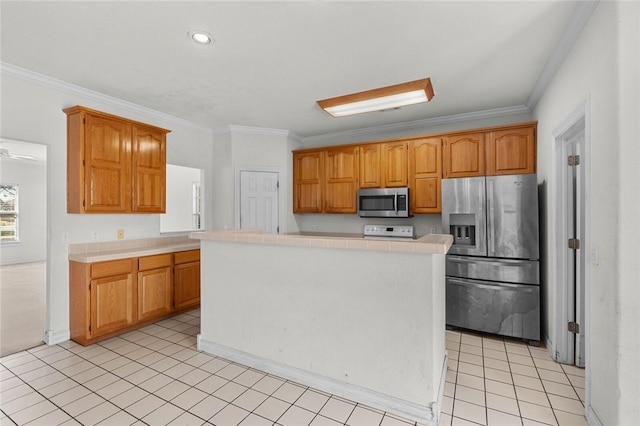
(394,164)
(112,303)
(464,155)
(370,166)
(186,284)
(107,165)
(154,293)
(149,170)
(341,180)
(425,172)
(512,152)
(307,182)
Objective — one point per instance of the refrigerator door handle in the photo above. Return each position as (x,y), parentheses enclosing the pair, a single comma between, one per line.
(491,228)
(524,288)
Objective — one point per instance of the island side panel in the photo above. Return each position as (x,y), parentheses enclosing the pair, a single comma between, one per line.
(362,317)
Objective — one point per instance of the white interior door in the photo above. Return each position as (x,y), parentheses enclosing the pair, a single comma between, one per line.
(575,225)
(572,246)
(259,201)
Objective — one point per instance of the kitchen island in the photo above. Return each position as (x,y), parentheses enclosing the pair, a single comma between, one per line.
(361,319)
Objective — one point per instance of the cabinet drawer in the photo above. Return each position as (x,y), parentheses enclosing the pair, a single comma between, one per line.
(111,268)
(187,256)
(153,262)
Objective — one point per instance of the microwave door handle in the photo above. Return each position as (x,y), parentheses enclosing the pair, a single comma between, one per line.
(395,202)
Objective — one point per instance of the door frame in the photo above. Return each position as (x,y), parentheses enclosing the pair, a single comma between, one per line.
(281,193)
(47,336)
(579,120)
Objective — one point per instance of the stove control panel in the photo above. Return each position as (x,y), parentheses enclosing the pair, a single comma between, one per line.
(392,231)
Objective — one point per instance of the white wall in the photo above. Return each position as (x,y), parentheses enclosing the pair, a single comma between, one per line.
(244,148)
(375,319)
(629,229)
(31,178)
(602,68)
(32,112)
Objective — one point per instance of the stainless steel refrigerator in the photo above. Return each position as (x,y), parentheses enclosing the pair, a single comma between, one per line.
(492,268)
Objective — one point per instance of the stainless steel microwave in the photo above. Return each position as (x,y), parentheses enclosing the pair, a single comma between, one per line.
(383,202)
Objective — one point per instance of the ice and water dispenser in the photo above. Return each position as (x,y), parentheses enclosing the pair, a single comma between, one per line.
(463,228)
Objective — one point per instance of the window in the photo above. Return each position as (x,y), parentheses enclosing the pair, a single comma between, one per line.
(8,213)
(195,195)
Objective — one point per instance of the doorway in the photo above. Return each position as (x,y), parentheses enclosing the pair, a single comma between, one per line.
(23,245)
(572,242)
(259,205)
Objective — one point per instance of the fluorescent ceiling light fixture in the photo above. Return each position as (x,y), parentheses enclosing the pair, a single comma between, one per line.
(399,95)
(200,36)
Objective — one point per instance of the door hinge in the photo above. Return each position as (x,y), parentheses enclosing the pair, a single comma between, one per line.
(89,286)
(277,229)
(574,243)
(573,160)
(89,328)
(83,204)
(573,327)
(278,184)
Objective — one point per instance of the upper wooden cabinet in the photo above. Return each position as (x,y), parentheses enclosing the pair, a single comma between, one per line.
(370,166)
(341,179)
(383,165)
(114,165)
(394,164)
(307,181)
(325,181)
(149,169)
(463,155)
(425,173)
(512,151)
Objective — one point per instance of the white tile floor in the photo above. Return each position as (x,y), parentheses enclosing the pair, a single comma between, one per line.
(156,376)
(493,381)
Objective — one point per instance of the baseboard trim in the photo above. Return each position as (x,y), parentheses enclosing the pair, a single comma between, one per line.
(424,414)
(437,407)
(592,418)
(52,337)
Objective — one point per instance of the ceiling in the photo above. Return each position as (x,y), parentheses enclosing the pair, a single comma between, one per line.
(271,61)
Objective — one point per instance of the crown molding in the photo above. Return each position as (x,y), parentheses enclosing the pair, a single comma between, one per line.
(63,86)
(264,131)
(578,19)
(436,121)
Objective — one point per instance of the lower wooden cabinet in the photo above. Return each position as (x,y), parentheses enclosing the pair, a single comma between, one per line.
(186,272)
(112,297)
(155,286)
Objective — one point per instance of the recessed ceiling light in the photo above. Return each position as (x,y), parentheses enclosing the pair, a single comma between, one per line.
(200,36)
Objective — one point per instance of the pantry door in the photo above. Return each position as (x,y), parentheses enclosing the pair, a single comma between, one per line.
(259,201)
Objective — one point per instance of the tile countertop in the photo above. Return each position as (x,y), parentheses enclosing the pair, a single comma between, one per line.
(431,243)
(112,251)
